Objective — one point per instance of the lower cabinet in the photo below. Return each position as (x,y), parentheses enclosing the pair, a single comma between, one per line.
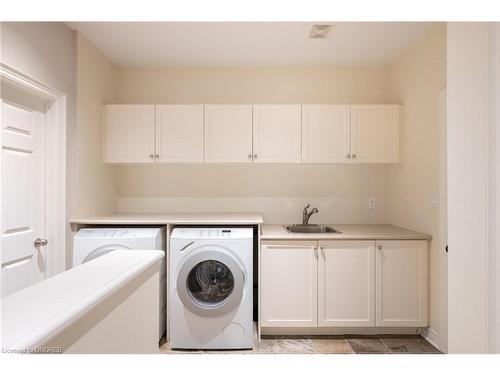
(402,283)
(289,284)
(346,284)
(341,283)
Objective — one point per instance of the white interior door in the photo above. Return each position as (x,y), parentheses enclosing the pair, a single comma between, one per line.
(472,141)
(22,197)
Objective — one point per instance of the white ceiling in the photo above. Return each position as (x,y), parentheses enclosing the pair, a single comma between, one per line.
(249,44)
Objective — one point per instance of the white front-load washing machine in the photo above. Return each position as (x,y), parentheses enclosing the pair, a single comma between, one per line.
(211,288)
(90,243)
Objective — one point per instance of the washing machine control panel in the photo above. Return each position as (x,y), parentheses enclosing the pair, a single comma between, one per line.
(212,233)
(108,233)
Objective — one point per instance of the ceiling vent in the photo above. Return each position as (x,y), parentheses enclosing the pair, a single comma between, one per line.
(319,31)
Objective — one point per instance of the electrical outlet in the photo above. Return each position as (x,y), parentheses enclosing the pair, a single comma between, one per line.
(435,200)
(371,203)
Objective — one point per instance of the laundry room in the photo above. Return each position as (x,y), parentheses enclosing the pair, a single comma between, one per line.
(285,144)
(255,189)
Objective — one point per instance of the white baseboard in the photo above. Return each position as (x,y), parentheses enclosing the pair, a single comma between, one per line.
(338,330)
(432,336)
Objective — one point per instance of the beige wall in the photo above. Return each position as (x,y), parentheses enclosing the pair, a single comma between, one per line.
(93,181)
(416,79)
(279,192)
(253,85)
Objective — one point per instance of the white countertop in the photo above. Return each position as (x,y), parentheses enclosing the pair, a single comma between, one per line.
(34,315)
(349,232)
(173,218)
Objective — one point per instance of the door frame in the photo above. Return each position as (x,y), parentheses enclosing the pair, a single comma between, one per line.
(55,182)
(441,338)
(494,188)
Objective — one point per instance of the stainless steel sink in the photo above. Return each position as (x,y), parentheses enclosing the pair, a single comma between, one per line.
(310,228)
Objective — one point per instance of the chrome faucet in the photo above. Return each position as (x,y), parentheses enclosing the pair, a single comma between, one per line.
(307,215)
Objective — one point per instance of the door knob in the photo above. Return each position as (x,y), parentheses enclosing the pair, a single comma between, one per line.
(40,242)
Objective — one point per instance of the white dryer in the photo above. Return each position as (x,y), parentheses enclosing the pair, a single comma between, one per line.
(211,288)
(90,243)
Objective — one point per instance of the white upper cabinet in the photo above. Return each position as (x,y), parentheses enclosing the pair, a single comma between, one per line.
(375,133)
(246,133)
(325,133)
(129,133)
(276,133)
(179,133)
(346,284)
(402,283)
(228,133)
(289,280)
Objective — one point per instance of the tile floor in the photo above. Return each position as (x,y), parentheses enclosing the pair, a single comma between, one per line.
(345,344)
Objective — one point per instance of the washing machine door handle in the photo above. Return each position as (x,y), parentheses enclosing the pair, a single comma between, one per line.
(102,250)
(185,247)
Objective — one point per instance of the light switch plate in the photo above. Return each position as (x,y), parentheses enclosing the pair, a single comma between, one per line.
(371,203)
(435,200)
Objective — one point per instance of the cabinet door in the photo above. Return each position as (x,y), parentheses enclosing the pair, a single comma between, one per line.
(402,283)
(325,133)
(179,133)
(288,284)
(228,133)
(129,133)
(346,284)
(375,133)
(276,133)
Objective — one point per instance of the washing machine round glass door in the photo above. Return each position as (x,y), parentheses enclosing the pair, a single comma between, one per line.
(211,281)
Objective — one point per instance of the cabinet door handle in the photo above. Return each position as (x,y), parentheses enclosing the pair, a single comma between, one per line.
(354,156)
(379,247)
(255,156)
(157,156)
(151,156)
(249,156)
(348,156)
